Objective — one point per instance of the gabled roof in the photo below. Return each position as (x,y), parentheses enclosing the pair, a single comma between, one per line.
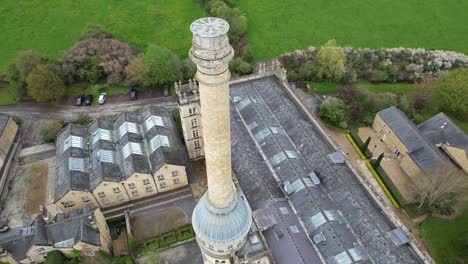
(441,129)
(420,150)
(113,151)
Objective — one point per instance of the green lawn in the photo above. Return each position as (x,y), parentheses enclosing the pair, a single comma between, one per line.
(330,88)
(439,233)
(385,87)
(51,27)
(278,26)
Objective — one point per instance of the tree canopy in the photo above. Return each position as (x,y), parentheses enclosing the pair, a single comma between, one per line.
(334,112)
(452,91)
(25,63)
(44,85)
(331,62)
(162,64)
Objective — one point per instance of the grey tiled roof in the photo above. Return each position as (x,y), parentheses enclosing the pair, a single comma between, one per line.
(98,168)
(77,226)
(420,150)
(441,129)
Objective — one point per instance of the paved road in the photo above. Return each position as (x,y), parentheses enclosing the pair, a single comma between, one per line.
(68,112)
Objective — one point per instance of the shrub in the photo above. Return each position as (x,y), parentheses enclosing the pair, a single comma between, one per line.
(55,257)
(26,61)
(95,31)
(50,131)
(379,76)
(239,66)
(333,111)
(83,119)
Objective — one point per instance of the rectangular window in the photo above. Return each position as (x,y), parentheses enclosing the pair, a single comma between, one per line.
(194,122)
(175,173)
(116,189)
(134,193)
(176,180)
(105,201)
(194,110)
(68,204)
(120,197)
(195,133)
(160,178)
(40,250)
(162,185)
(149,189)
(131,185)
(146,181)
(197,143)
(85,199)
(197,153)
(101,194)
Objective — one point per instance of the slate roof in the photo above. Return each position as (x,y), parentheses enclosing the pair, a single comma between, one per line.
(441,129)
(67,179)
(3,122)
(76,227)
(420,150)
(273,142)
(104,155)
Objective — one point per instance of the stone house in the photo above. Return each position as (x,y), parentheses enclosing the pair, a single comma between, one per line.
(112,162)
(84,230)
(420,148)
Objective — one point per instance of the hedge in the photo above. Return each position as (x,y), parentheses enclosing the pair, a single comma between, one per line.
(389,184)
(350,138)
(177,236)
(360,144)
(385,189)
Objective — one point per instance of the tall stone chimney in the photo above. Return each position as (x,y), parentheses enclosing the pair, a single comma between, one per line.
(222,218)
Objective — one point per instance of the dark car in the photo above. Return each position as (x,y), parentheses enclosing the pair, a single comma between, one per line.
(79,100)
(88,99)
(166,90)
(133,94)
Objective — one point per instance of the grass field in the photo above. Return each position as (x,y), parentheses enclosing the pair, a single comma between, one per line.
(276,27)
(9,95)
(330,88)
(438,234)
(51,27)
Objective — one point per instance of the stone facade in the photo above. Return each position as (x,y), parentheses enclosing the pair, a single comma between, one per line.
(190,115)
(110,163)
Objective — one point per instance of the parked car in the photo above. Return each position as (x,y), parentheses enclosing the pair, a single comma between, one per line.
(102,98)
(166,90)
(79,100)
(88,99)
(133,94)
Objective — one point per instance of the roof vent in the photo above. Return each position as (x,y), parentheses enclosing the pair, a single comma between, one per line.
(443,126)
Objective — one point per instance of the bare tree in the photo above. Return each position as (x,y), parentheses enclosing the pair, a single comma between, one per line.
(442,190)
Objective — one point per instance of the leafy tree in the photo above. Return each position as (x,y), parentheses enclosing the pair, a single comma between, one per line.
(334,112)
(163,66)
(347,93)
(90,71)
(26,61)
(75,255)
(95,31)
(188,69)
(44,85)
(330,62)
(452,91)
(307,72)
(136,72)
(239,66)
(393,71)
(50,131)
(55,257)
(442,190)
(237,21)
